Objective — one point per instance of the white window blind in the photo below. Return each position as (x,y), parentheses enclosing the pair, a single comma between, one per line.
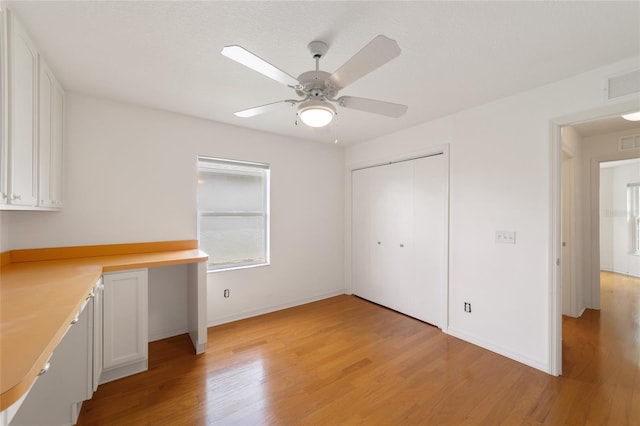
(233,207)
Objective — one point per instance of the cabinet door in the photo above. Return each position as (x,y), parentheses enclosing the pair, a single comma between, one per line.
(45,94)
(56,183)
(4,108)
(125,338)
(56,394)
(22,144)
(98,303)
(50,137)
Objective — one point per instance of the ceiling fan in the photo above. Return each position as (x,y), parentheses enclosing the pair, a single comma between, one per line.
(318,89)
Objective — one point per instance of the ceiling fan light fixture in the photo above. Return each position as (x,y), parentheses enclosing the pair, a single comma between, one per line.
(634,116)
(316,113)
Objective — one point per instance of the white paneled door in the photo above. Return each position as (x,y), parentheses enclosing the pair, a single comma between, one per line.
(399,231)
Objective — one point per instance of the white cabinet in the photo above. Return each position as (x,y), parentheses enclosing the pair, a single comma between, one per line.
(50,137)
(98,304)
(4,107)
(57,395)
(31,150)
(22,143)
(399,231)
(125,324)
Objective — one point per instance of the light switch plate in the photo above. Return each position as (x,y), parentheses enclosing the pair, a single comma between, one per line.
(506,237)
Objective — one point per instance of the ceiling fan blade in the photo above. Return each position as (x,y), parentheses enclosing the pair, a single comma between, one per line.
(248,59)
(369,105)
(378,52)
(252,112)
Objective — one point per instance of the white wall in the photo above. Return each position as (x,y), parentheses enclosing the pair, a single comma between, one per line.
(500,179)
(131,176)
(168,315)
(614,228)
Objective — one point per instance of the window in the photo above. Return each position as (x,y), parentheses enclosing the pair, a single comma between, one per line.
(633,215)
(233,210)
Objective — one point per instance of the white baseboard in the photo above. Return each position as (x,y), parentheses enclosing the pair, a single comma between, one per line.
(163,334)
(617,271)
(268,309)
(524,359)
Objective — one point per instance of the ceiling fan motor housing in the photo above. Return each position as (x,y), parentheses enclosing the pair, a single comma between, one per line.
(313,84)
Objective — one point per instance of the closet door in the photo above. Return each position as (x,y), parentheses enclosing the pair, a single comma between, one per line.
(392,223)
(430,200)
(398,236)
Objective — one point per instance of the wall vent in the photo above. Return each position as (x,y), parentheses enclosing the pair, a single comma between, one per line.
(629,142)
(623,85)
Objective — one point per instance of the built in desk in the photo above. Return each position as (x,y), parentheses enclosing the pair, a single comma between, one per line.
(41,290)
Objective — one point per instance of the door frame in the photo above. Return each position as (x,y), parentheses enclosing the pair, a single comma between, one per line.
(555,229)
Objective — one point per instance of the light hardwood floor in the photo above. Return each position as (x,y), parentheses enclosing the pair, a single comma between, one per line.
(347,361)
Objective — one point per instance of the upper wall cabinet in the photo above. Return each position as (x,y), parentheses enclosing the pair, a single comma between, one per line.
(33,118)
(50,138)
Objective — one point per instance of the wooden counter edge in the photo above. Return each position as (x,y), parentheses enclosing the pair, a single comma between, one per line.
(152,264)
(76,252)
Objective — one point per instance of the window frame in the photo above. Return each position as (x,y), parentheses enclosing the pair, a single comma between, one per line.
(238,167)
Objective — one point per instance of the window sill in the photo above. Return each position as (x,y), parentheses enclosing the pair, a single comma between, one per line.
(236,267)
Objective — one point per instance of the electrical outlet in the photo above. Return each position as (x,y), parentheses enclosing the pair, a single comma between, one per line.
(467,307)
(226,293)
(505,237)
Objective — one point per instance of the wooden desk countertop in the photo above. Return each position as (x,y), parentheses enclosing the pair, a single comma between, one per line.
(42,290)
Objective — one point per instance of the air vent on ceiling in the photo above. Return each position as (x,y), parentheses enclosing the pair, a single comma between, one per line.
(629,142)
(623,85)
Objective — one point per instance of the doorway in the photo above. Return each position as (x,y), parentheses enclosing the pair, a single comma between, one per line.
(619,211)
(580,265)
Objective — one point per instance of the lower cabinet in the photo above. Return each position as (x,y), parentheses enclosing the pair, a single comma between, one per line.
(125,324)
(57,394)
(107,340)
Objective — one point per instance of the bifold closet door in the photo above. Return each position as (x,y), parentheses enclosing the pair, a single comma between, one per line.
(430,230)
(398,236)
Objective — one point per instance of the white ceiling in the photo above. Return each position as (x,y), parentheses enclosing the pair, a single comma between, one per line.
(455,55)
(604,126)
